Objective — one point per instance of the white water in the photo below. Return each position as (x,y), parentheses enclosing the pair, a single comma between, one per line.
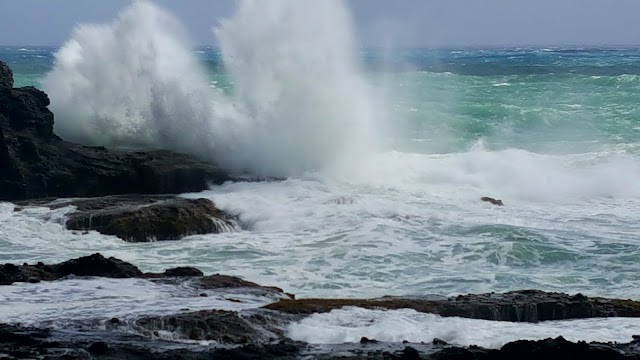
(299,103)
(398,223)
(406,224)
(351,324)
(74,300)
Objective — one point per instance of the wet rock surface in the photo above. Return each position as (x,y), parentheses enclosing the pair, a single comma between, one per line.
(515,306)
(148,218)
(18,342)
(260,333)
(93,265)
(97,265)
(36,163)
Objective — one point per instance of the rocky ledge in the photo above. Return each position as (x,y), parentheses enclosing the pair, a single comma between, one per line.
(142,218)
(514,306)
(97,265)
(260,333)
(18,342)
(36,163)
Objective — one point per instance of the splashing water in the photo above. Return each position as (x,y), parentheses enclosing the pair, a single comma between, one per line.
(299,100)
(295,73)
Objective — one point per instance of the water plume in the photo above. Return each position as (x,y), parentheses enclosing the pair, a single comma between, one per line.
(299,101)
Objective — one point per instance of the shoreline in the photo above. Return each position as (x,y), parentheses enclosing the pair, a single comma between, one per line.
(260,332)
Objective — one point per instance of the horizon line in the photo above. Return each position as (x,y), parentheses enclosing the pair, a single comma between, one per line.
(426,47)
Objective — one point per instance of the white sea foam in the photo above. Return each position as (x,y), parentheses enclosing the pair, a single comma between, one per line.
(299,100)
(351,324)
(401,224)
(101,299)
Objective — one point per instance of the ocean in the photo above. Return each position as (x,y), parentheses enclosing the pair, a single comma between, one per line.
(385,154)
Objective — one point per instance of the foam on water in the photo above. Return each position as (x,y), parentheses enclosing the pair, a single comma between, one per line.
(73,300)
(558,152)
(299,101)
(351,324)
(402,224)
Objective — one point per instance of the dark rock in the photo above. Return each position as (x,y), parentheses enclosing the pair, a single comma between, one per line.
(221,326)
(97,265)
(365,340)
(218,281)
(558,348)
(6,77)
(98,348)
(93,265)
(114,321)
(148,218)
(410,353)
(203,295)
(36,163)
(516,306)
(455,353)
(492,200)
(182,272)
(439,342)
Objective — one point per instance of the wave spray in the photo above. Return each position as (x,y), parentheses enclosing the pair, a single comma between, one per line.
(299,101)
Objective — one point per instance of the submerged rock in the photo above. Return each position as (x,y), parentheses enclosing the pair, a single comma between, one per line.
(36,163)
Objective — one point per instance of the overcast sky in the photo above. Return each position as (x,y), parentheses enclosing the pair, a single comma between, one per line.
(378,22)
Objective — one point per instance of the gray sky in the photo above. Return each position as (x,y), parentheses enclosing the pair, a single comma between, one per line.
(378,22)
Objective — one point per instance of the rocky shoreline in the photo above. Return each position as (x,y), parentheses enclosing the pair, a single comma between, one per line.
(36,163)
(125,194)
(259,333)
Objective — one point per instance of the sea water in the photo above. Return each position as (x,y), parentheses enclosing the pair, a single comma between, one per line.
(386,153)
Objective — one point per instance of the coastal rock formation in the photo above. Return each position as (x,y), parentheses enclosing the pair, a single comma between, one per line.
(225,327)
(93,265)
(100,266)
(147,218)
(18,342)
(514,306)
(36,163)
(261,333)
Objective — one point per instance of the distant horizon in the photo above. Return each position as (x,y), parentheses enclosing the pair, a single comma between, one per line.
(425,47)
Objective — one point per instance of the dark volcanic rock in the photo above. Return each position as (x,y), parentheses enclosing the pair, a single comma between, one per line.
(560,348)
(36,163)
(93,265)
(148,218)
(98,265)
(21,342)
(225,327)
(182,271)
(18,342)
(517,306)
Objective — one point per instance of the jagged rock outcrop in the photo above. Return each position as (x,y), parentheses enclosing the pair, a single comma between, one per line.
(261,333)
(35,163)
(100,266)
(148,218)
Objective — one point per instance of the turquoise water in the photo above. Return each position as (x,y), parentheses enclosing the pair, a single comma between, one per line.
(555,133)
(542,100)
